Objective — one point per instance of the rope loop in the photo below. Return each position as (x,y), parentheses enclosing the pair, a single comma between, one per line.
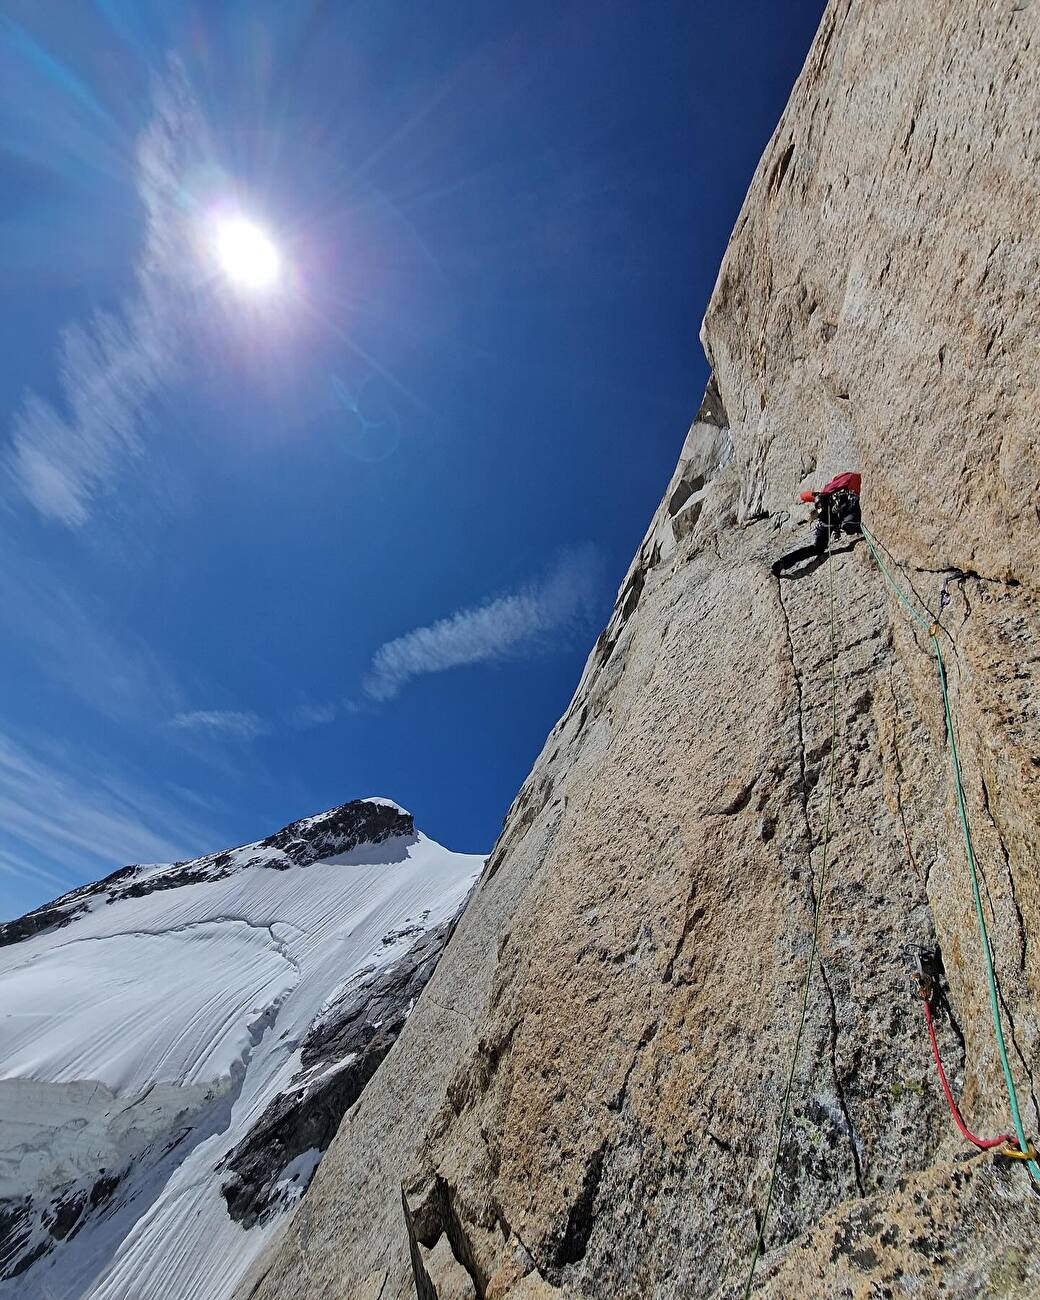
(983,1144)
(969,853)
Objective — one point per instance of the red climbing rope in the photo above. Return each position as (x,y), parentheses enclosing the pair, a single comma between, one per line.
(984,1144)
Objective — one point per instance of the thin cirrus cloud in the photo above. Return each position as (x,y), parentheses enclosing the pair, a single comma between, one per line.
(305,716)
(62,458)
(537,618)
(244,724)
(61,828)
(112,670)
(236,724)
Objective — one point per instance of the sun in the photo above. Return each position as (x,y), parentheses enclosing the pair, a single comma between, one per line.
(246,253)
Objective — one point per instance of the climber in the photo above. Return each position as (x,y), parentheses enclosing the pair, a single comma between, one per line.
(835,510)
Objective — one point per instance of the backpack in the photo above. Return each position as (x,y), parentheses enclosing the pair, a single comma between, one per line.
(848,482)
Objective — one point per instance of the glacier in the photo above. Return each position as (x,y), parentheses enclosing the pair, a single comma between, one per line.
(164,1031)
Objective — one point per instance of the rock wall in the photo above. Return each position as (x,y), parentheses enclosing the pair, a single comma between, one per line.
(585,1101)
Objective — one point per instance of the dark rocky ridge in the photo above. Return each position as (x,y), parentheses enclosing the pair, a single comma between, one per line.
(302,842)
(21,1243)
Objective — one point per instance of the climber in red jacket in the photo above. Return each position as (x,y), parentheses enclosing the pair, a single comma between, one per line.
(835,510)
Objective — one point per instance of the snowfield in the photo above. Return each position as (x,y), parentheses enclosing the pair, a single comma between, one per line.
(147,1030)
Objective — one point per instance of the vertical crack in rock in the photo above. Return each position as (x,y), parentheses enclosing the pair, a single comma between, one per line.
(779,171)
(955,1025)
(648,1035)
(1010,1015)
(424,1288)
(580,1219)
(1020,923)
(1001,997)
(818,903)
(437,1216)
(838,1086)
(803,787)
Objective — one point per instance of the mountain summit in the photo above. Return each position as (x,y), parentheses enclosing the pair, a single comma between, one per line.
(179,1043)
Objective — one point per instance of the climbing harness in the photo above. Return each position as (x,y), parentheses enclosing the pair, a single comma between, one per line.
(932,627)
(814,943)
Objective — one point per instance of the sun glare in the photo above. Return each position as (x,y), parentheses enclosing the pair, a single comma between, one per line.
(246,254)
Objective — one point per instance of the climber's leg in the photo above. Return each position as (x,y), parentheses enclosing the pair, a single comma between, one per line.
(795,557)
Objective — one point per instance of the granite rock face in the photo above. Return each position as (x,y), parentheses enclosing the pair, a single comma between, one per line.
(585,1100)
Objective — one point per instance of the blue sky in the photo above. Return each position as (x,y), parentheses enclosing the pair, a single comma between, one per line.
(267,552)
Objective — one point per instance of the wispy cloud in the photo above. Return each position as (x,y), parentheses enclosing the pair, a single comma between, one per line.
(26,870)
(63,457)
(61,828)
(540,616)
(305,716)
(110,669)
(244,724)
(241,724)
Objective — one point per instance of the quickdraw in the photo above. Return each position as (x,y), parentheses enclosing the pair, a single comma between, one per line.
(1014,1153)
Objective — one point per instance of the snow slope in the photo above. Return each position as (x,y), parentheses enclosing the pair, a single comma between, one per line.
(150,1021)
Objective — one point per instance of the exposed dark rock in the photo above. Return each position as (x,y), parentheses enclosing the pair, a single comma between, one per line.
(103,1189)
(297,845)
(50,917)
(341,1053)
(64,1218)
(338,831)
(16,1225)
(712,408)
(33,1226)
(405,931)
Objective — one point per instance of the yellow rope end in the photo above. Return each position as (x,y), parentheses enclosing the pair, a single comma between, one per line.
(933,630)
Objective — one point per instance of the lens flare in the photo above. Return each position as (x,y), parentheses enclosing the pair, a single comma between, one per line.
(246,253)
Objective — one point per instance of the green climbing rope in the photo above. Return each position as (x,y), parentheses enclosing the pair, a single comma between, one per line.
(900,595)
(814,944)
(969,850)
